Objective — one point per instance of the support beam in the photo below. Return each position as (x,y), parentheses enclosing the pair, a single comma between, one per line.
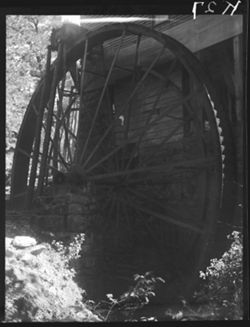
(238,76)
(206,30)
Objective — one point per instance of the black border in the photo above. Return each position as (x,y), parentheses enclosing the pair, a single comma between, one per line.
(2,168)
(127,7)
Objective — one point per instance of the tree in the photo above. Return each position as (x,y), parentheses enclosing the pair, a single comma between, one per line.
(27,38)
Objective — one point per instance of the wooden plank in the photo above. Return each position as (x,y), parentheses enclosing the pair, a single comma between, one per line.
(196,35)
(238,76)
(206,30)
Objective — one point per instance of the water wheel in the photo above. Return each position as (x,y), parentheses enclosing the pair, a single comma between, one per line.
(138,122)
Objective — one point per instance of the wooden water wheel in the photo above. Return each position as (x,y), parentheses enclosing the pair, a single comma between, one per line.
(139,123)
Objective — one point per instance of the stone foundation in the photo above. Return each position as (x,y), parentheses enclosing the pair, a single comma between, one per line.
(66,211)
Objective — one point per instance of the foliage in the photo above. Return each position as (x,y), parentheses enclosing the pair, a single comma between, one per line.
(220,295)
(131,301)
(42,288)
(27,37)
(26,41)
(72,251)
(224,281)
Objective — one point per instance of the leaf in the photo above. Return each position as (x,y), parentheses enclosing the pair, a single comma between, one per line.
(110,297)
(161,280)
(136,277)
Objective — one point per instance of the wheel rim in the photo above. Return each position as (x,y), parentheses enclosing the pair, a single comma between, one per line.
(146,138)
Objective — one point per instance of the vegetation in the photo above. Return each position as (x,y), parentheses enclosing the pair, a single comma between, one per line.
(224,281)
(42,288)
(27,38)
(220,296)
(45,289)
(126,305)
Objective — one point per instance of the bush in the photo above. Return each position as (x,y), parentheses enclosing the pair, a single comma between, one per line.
(224,281)
(126,305)
(41,288)
(71,252)
(220,294)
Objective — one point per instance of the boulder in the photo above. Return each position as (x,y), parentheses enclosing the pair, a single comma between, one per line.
(9,253)
(8,242)
(38,249)
(27,258)
(24,241)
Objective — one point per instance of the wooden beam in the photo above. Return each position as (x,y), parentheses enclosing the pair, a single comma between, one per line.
(196,35)
(238,76)
(206,30)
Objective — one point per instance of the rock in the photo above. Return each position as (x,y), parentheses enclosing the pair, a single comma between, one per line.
(8,241)
(23,241)
(19,254)
(8,271)
(9,253)
(38,249)
(27,258)
(19,274)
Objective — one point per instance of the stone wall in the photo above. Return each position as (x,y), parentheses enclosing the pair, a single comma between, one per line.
(65,211)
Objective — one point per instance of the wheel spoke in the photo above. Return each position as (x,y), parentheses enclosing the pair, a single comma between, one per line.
(51,140)
(83,70)
(67,143)
(123,108)
(167,169)
(102,96)
(67,110)
(144,130)
(107,156)
(127,122)
(57,128)
(49,119)
(81,109)
(158,203)
(164,217)
(66,165)
(164,141)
